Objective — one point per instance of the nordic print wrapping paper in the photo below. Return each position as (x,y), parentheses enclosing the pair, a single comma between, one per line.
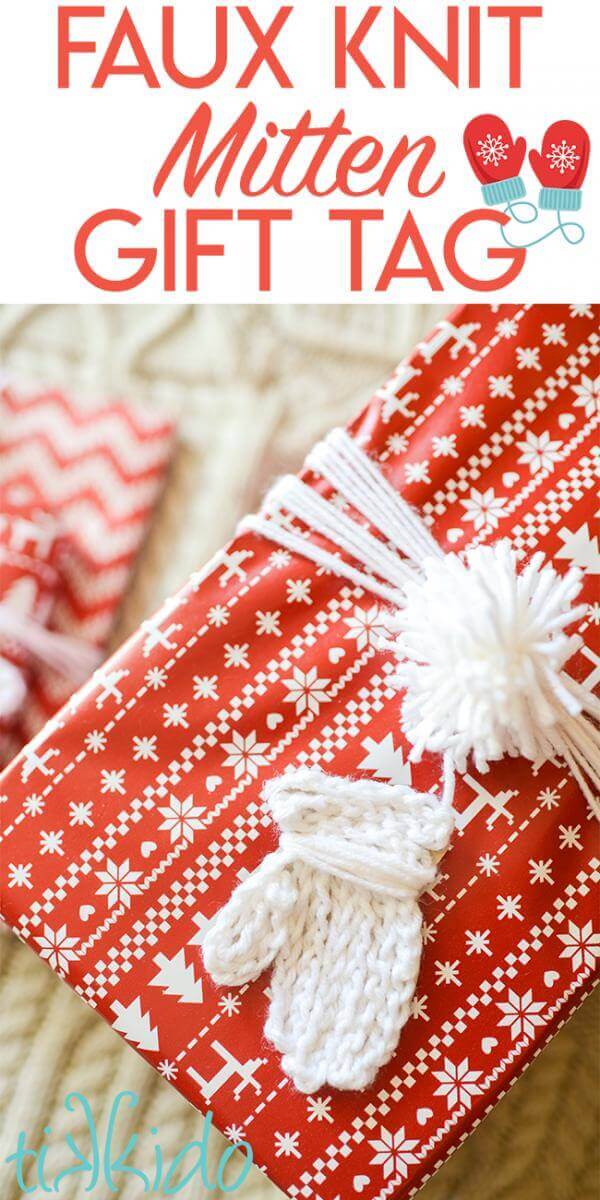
(129,821)
(97,470)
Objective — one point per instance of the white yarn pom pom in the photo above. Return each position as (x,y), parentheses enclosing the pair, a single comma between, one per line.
(482,649)
(13,689)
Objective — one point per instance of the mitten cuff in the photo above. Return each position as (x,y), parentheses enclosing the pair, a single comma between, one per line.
(567,199)
(504,191)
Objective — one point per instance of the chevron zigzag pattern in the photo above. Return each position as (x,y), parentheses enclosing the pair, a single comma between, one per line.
(101,469)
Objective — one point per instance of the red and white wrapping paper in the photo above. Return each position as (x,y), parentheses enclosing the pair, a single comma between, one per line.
(96,471)
(129,822)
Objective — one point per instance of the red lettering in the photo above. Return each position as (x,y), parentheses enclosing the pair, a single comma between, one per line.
(126,32)
(448,65)
(517,256)
(65,46)
(147,256)
(196,249)
(264,52)
(514,16)
(409,233)
(265,218)
(355,218)
(352,48)
(220,63)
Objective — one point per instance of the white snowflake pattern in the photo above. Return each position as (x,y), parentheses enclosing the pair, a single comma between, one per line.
(237,656)
(319,1109)
(562,156)
(528,358)
(492,150)
(306,690)
(280,558)
(118,883)
(168,1069)
(458,1083)
(218,615)
(538,452)
(175,716)
(488,864)
(298,591)
(453,385)
(588,395)
(205,687)
(95,741)
(112,781)
(553,334)
(394,1152)
(478,941)
(507,327)
(144,748)
(418,1008)
(582,945)
(81,813)
(181,819)
(245,754)
(155,678)
(447,972)
(230,1004)
(57,948)
(397,443)
(19,875)
(581,310)
(540,870)
(268,623)
(484,509)
(51,842)
(417,472)
(570,837)
(365,627)
(472,416)
(522,1014)
(509,907)
(549,799)
(287,1144)
(501,386)
(34,805)
(444,446)
(235,1134)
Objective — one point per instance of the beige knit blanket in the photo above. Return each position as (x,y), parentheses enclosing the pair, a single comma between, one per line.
(255,387)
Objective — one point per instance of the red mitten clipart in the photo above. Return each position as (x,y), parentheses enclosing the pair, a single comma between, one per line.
(561,165)
(495,158)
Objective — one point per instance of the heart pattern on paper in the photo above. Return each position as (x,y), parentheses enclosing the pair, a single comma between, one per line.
(510,478)
(488,1044)
(424,1115)
(566,420)
(454,536)
(360,1182)
(213,782)
(336,654)
(86,911)
(147,848)
(273,720)
(550,978)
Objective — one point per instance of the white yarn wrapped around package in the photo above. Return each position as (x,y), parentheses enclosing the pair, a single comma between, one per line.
(482,648)
(336,910)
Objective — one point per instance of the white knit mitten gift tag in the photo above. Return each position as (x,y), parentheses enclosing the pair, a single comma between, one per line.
(336,910)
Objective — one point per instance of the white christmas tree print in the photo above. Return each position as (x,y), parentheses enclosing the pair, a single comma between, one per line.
(135,1024)
(562,157)
(580,548)
(385,761)
(492,150)
(177,979)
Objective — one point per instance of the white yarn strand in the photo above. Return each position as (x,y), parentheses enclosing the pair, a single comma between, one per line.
(481,646)
(335,909)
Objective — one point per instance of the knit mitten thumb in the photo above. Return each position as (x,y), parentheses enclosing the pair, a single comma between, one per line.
(336,910)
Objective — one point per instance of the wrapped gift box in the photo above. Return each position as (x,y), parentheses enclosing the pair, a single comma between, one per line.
(130,820)
(96,470)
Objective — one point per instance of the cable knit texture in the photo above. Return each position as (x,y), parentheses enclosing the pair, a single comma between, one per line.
(336,910)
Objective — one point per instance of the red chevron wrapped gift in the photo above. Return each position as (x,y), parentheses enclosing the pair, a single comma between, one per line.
(95,470)
(130,821)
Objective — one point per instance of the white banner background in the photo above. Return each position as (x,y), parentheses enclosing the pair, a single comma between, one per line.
(68,153)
